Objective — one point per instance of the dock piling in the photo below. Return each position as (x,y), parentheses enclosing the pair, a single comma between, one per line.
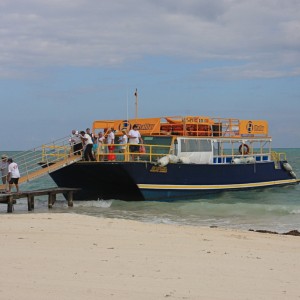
(51,199)
(30,202)
(10,204)
(70,198)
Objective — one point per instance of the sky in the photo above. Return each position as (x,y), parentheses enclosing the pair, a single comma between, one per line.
(66,63)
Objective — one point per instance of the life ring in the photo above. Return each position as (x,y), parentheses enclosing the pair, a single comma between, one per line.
(244,147)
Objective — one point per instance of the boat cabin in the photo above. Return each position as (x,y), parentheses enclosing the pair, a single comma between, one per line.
(193,139)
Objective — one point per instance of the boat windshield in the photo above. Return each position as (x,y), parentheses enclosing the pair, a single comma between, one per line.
(164,141)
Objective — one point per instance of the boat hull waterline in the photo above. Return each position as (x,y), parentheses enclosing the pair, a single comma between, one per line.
(137,181)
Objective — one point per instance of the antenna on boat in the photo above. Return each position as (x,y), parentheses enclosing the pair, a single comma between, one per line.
(136,103)
(127,105)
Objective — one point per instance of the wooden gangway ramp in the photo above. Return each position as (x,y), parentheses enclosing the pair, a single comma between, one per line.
(50,167)
(44,159)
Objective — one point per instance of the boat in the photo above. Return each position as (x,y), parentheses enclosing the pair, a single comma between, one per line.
(182,157)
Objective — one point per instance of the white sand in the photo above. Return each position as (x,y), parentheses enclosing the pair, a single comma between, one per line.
(66,256)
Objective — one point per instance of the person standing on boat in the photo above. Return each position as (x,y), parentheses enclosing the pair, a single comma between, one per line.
(13,175)
(134,139)
(110,144)
(76,142)
(101,141)
(88,131)
(123,140)
(88,142)
(95,146)
(111,139)
(4,168)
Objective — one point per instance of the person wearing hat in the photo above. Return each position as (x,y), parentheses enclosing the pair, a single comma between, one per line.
(4,168)
(13,175)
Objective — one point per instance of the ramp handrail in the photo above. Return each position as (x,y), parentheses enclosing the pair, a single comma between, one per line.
(45,159)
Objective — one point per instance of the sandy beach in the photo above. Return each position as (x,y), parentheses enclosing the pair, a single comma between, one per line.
(68,256)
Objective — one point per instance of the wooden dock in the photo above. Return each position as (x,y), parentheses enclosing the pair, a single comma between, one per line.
(10,198)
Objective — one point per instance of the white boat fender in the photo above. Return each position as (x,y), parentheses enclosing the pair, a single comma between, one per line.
(185,160)
(236,161)
(293,174)
(250,160)
(163,161)
(173,158)
(287,167)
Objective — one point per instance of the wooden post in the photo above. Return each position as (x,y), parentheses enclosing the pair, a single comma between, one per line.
(70,198)
(10,203)
(30,202)
(51,199)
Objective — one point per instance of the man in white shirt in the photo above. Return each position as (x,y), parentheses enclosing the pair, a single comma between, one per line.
(88,142)
(13,175)
(134,140)
(111,136)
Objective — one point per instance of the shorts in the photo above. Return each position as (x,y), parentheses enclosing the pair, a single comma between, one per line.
(134,148)
(14,180)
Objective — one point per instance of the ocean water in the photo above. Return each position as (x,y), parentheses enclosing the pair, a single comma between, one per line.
(274,209)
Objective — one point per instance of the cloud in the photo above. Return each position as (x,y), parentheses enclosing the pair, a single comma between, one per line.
(263,37)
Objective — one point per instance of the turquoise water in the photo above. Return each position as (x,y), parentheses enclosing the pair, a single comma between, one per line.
(275,209)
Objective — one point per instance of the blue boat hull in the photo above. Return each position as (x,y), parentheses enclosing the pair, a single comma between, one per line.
(135,181)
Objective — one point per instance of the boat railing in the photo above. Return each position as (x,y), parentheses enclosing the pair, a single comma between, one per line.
(123,152)
(226,127)
(151,153)
(60,150)
(257,155)
(219,127)
(277,157)
(40,160)
(229,158)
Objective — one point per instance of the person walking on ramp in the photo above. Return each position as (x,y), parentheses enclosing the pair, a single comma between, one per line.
(13,175)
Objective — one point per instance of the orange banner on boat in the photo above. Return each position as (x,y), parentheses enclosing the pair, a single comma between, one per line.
(255,127)
(145,126)
(197,119)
